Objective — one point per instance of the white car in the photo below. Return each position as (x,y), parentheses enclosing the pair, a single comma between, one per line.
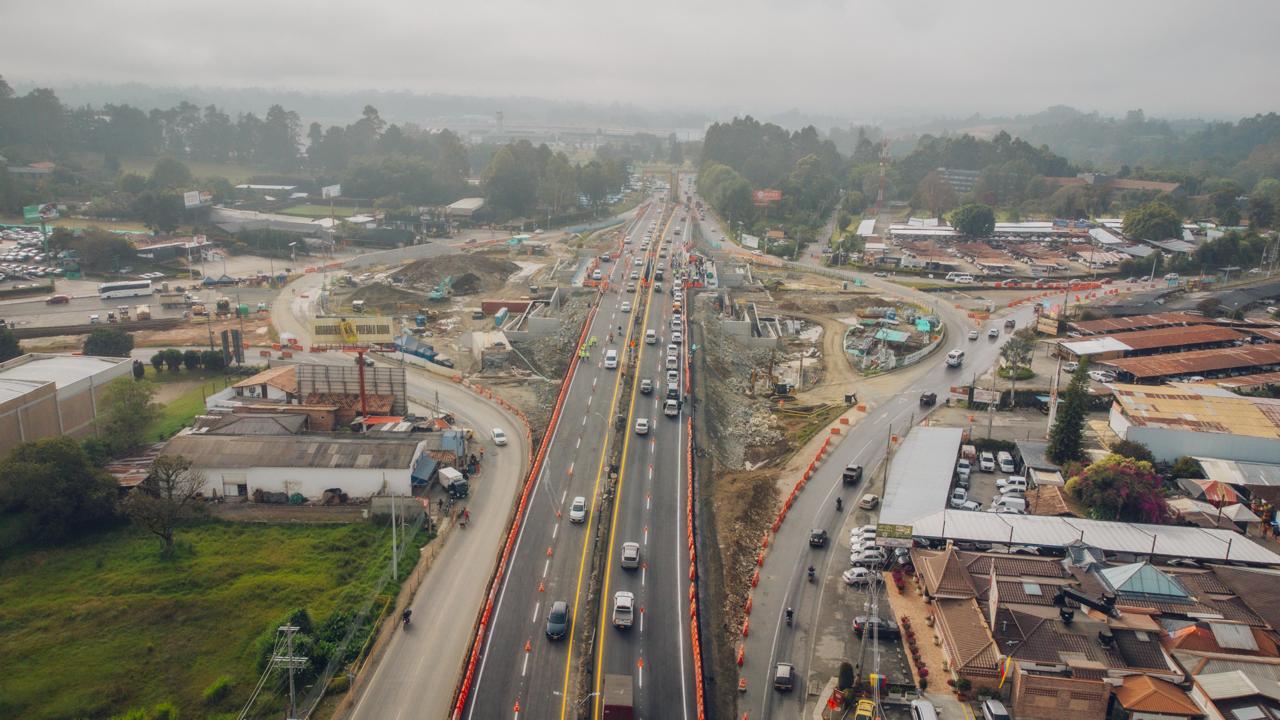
(859,576)
(963,468)
(672,349)
(677,337)
(578,510)
(499,437)
(626,306)
(987,462)
(973,334)
(993,333)
(630,555)
(1070,366)
(642,426)
(958,497)
(623,609)
(1101,376)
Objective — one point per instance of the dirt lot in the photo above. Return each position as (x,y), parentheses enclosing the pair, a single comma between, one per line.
(472,273)
(257,332)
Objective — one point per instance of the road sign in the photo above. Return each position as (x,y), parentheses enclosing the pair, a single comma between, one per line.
(44,211)
(352,330)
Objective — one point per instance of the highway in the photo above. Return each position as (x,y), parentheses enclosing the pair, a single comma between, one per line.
(650,511)
(523,673)
(783,581)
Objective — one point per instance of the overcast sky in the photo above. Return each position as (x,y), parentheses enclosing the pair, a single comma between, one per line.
(861,59)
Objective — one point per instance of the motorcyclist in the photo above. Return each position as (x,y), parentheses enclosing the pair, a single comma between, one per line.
(839,504)
(404,616)
(790,615)
(810,573)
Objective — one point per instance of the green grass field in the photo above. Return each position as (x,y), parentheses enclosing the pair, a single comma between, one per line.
(234,172)
(178,413)
(107,625)
(319,211)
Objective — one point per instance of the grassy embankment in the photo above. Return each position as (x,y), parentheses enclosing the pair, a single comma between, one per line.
(106,625)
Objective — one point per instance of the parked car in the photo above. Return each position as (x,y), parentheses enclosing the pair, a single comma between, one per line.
(859,576)
(1101,376)
(963,469)
(1070,367)
(869,557)
(869,501)
(882,627)
(987,462)
(971,506)
(958,497)
(993,709)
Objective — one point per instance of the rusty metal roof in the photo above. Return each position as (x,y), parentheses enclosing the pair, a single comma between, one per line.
(1198,408)
(1136,322)
(1197,361)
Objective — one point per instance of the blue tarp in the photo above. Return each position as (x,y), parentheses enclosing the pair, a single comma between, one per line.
(424,469)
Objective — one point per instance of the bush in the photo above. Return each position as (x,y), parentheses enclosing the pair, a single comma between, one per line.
(191,359)
(107,342)
(1135,450)
(338,684)
(1187,467)
(217,691)
(1024,373)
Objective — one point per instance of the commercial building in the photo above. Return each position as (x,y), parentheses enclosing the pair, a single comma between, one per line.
(1197,420)
(1222,361)
(44,396)
(466,207)
(1150,342)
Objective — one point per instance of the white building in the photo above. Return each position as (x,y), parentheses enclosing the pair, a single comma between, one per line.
(1197,420)
(361,466)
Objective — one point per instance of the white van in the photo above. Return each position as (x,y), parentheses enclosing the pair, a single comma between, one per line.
(650,336)
(923,710)
(964,279)
(955,358)
(1006,461)
(611,359)
(1009,503)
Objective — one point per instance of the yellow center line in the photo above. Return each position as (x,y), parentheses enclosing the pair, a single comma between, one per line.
(617,493)
(595,493)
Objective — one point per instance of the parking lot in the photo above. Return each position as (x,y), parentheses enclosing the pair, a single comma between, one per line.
(22,260)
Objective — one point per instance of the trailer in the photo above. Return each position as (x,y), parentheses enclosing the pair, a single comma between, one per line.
(616,697)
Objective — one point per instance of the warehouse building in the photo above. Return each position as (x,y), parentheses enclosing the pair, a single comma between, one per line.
(1150,342)
(308,465)
(1198,420)
(1197,364)
(1134,322)
(43,396)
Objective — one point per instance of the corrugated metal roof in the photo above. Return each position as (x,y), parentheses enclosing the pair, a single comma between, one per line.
(1198,408)
(63,370)
(920,474)
(1234,472)
(1198,361)
(1136,322)
(1235,684)
(294,451)
(1138,538)
(1095,346)
(283,377)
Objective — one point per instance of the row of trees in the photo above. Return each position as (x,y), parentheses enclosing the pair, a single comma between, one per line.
(175,360)
(521,179)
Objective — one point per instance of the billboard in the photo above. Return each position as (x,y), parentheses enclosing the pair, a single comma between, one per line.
(191,199)
(765,196)
(352,330)
(331,191)
(750,241)
(44,211)
(990,397)
(888,535)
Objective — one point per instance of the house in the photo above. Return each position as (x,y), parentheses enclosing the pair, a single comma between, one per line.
(47,395)
(1142,697)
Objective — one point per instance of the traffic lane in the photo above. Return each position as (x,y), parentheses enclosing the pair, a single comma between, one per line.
(521,605)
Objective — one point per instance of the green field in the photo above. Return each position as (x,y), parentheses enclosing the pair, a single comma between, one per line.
(178,413)
(233,172)
(107,625)
(319,211)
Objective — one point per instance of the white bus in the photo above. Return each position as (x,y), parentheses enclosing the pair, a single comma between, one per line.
(124,288)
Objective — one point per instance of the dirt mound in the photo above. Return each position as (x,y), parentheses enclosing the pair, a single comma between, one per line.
(471,273)
(388,298)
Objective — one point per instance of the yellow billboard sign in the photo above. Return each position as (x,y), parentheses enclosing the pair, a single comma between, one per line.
(352,330)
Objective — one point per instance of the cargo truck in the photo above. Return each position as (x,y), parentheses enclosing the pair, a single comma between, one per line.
(617,697)
(453,482)
(142,312)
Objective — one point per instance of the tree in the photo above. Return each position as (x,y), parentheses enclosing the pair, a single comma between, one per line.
(1120,488)
(1262,212)
(934,194)
(139,370)
(170,174)
(213,359)
(55,490)
(1016,354)
(173,359)
(159,210)
(1187,467)
(974,220)
(191,359)
(170,494)
(125,412)
(1152,221)
(1132,449)
(1067,433)
(9,347)
(108,342)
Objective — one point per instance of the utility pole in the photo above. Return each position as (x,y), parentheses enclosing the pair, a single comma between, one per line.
(394,553)
(291,662)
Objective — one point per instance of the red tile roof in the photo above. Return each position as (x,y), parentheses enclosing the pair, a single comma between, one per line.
(1143,693)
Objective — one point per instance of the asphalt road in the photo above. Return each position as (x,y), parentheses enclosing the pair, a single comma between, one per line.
(656,651)
(522,672)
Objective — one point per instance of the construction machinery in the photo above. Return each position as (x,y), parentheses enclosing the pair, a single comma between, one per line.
(443,290)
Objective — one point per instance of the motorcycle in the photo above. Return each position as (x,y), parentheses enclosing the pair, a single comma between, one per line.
(404,617)
(790,616)
(811,574)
